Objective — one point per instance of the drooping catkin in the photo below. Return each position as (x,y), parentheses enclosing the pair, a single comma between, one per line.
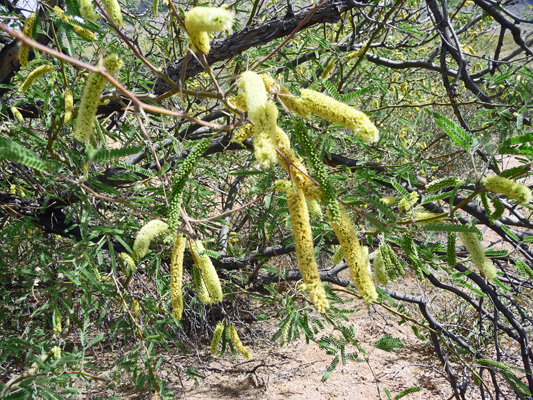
(208,272)
(200,20)
(450,250)
(181,178)
(477,254)
(338,256)
(27,30)
(199,283)
(217,335)
(37,72)
(340,113)
(297,170)
(303,242)
(509,188)
(176,276)
(263,114)
(237,343)
(87,10)
(380,270)
(80,30)
(244,132)
(130,263)
(112,8)
(69,105)
(353,253)
(18,116)
(91,97)
(293,103)
(145,236)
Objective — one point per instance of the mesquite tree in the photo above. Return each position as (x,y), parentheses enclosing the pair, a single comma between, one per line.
(159,164)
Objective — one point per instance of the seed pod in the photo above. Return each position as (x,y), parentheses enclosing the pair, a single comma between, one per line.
(380,271)
(217,335)
(237,343)
(112,8)
(353,253)
(340,113)
(303,242)
(439,184)
(37,72)
(27,30)
(200,20)
(477,253)
(203,294)
(181,178)
(145,236)
(176,276)
(450,250)
(208,272)
(16,113)
(509,188)
(91,97)
(69,105)
(87,10)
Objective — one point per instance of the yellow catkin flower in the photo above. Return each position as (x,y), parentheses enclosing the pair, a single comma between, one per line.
(69,105)
(338,256)
(509,188)
(293,103)
(423,218)
(477,253)
(128,260)
(354,255)
(313,207)
(200,20)
(217,335)
(176,276)
(136,309)
(91,98)
(208,272)
(26,31)
(17,115)
(388,200)
(255,92)
(297,169)
(87,10)
(404,205)
(237,343)
(328,68)
(238,101)
(358,53)
(37,72)
(244,132)
(112,8)
(145,236)
(303,242)
(380,270)
(83,32)
(340,113)
(265,136)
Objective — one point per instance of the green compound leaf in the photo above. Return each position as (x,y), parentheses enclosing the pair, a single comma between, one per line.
(331,367)
(104,155)
(14,152)
(454,131)
(405,392)
(449,228)
(389,343)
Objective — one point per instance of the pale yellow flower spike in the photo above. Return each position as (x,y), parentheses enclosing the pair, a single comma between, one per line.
(238,344)
(265,136)
(176,276)
(310,190)
(243,133)
(37,72)
(69,105)
(255,92)
(509,188)
(355,256)
(112,8)
(340,113)
(303,242)
(208,271)
(477,253)
(293,103)
(200,20)
(145,236)
(26,31)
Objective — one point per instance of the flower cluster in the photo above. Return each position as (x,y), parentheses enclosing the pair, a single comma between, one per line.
(477,253)
(37,72)
(176,276)
(509,188)
(145,236)
(208,273)
(201,20)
